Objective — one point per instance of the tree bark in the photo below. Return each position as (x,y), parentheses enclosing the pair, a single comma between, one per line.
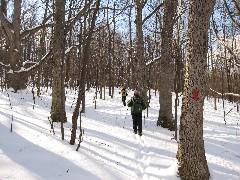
(14,80)
(191,152)
(58,112)
(165,118)
(139,60)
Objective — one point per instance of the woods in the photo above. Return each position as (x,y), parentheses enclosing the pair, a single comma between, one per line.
(189,48)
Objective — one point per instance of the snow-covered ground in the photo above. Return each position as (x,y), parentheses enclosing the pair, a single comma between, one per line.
(109,149)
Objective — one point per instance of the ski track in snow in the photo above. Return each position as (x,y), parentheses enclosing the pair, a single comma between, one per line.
(109,148)
(142,157)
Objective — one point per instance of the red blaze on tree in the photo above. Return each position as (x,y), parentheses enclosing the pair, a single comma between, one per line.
(195,94)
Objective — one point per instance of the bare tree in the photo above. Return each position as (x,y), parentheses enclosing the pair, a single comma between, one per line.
(139,59)
(58,113)
(191,152)
(81,92)
(139,55)
(165,118)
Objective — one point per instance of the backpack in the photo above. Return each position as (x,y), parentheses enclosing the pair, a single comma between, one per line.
(137,105)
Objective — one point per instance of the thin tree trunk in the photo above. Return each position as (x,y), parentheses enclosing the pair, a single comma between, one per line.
(82,82)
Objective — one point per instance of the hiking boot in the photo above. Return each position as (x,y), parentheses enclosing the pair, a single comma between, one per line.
(135,132)
(139,133)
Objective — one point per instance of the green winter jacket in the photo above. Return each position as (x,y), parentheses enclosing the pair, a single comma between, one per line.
(132,103)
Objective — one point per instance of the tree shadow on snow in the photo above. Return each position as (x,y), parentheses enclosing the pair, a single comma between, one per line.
(39,161)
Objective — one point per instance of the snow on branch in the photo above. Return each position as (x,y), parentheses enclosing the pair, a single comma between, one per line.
(4,65)
(70,48)
(225,94)
(152,61)
(26,33)
(32,68)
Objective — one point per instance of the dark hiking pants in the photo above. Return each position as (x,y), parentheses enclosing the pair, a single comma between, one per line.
(124,100)
(137,122)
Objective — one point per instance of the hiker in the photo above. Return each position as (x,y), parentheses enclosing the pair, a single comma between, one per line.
(137,106)
(124,94)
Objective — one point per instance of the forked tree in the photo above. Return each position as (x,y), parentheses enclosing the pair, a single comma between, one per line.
(88,33)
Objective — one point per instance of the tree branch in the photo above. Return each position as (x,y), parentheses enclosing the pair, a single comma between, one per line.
(225,94)
(6,25)
(28,32)
(236,6)
(143,3)
(223,43)
(153,61)
(5,65)
(38,64)
(73,20)
(230,14)
(153,12)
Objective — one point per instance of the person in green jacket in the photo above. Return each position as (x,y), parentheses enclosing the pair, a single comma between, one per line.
(137,106)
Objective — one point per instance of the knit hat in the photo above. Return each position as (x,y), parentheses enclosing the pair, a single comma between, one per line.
(136,93)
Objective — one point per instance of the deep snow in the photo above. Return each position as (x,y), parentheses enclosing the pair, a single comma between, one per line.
(109,149)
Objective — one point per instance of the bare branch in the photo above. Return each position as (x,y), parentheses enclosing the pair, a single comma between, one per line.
(7,25)
(117,9)
(26,33)
(4,65)
(236,6)
(143,3)
(70,48)
(33,68)
(73,20)
(219,39)
(230,14)
(153,12)
(225,94)
(153,61)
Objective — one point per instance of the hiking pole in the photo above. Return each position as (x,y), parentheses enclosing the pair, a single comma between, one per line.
(144,118)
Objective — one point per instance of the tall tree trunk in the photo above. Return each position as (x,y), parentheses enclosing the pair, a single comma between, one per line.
(165,118)
(58,113)
(191,152)
(42,49)
(139,60)
(130,69)
(113,53)
(68,56)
